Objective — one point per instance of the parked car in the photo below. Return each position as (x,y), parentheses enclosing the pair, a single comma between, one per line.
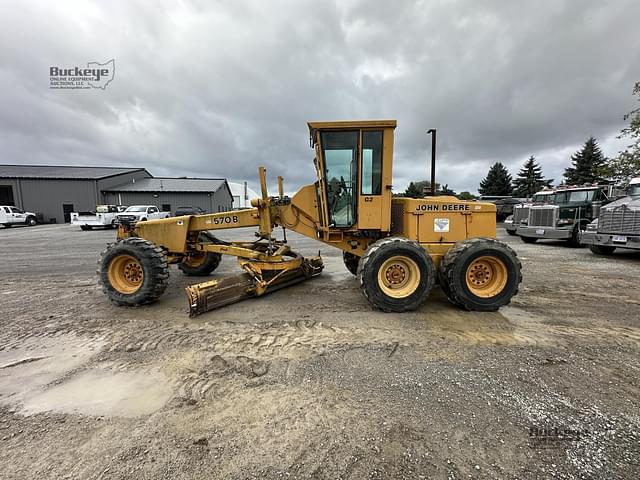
(141,213)
(10,216)
(189,211)
(104,216)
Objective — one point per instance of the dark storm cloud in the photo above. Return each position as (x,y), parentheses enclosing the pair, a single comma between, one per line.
(215,89)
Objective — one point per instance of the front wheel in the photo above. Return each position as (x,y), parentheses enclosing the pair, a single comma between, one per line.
(602,249)
(529,239)
(480,274)
(31,221)
(396,274)
(201,264)
(511,232)
(133,272)
(351,262)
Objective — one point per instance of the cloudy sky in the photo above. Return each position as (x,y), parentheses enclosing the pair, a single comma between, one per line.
(208,88)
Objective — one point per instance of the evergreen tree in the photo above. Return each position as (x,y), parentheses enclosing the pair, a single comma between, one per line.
(627,164)
(530,179)
(587,164)
(413,191)
(497,181)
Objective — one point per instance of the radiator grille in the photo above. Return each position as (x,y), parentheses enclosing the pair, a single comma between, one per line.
(543,216)
(619,220)
(520,213)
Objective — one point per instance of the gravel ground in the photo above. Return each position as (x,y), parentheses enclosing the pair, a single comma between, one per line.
(310,382)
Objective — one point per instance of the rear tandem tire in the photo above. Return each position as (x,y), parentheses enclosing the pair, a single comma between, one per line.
(396,274)
(203,264)
(351,262)
(602,249)
(480,274)
(133,272)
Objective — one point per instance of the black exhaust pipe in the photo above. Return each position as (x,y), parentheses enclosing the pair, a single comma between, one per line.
(432,131)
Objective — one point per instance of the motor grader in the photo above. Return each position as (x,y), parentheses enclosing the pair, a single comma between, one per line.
(397,247)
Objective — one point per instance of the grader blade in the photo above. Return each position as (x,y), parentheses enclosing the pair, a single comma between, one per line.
(257,281)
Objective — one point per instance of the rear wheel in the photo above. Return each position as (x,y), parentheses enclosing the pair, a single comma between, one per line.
(201,264)
(133,272)
(529,239)
(396,274)
(351,262)
(480,274)
(602,249)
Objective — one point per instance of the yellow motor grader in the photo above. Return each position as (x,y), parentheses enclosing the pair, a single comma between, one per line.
(397,247)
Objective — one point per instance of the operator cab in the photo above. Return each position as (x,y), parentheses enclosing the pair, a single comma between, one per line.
(353,163)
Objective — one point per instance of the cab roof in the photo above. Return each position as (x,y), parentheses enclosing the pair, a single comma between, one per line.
(343,124)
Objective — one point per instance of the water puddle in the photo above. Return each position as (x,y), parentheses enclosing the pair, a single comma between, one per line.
(102,392)
(25,368)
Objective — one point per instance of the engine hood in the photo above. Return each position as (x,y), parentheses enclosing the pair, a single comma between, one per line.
(632,203)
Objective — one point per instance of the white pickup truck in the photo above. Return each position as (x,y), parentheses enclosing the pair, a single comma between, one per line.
(104,216)
(140,213)
(10,216)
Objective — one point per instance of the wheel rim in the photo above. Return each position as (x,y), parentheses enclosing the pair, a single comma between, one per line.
(125,274)
(398,277)
(486,276)
(196,260)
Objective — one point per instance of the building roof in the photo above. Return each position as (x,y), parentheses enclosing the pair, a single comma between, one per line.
(162,184)
(63,171)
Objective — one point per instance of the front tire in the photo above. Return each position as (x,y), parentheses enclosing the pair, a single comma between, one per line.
(201,264)
(480,274)
(351,262)
(396,274)
(511,233)
(31,221)
(133,272)
(602,249)
(529,239)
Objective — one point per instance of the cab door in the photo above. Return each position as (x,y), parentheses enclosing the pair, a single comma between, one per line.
(374,195)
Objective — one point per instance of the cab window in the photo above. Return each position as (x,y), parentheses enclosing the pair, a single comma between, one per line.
(371,163)
(340,153)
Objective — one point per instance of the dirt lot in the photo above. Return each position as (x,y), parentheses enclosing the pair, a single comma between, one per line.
(310,382)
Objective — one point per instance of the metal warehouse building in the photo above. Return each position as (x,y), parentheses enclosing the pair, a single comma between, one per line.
(210,194)
(53,192)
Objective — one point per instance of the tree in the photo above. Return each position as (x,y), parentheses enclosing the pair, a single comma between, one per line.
(419,189)
(466,196)
(530,179)
(497,181)
(445,190)
(627,164)
(587,164)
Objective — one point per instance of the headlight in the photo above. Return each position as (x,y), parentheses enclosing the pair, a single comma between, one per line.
(593,226)
(565,221)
